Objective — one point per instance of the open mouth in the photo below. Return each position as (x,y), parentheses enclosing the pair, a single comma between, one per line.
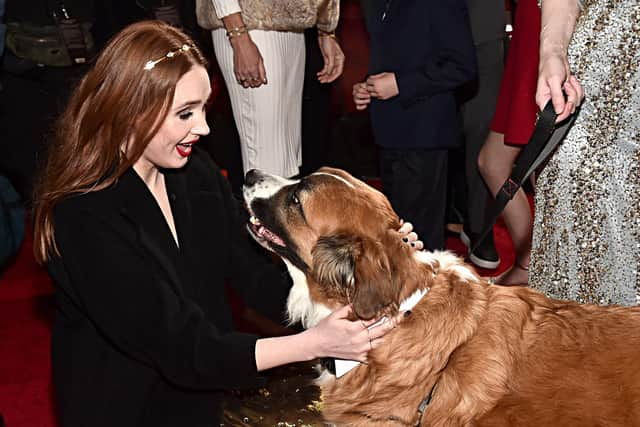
(261,232)
(184,148)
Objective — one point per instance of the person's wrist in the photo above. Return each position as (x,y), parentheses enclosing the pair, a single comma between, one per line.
(239,39)
(236,31)
(330,34)
(309,344)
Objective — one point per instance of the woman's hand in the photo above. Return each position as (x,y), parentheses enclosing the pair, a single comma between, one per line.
(248,65)
(409,236)
(333,59)
(554,75)
(382,86)
(361,96)
(336,336)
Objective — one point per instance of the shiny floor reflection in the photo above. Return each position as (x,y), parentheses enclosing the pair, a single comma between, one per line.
(289,399)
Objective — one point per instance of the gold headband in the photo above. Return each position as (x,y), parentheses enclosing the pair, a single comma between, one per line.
(150,64)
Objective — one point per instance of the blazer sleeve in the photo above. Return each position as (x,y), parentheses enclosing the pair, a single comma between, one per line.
(453,61)
(133,306)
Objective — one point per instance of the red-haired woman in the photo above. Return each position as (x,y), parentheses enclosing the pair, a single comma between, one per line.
(139,230)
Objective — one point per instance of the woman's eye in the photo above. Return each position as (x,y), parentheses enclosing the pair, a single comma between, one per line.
(185,115)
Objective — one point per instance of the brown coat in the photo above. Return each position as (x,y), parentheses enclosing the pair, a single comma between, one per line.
(276,15)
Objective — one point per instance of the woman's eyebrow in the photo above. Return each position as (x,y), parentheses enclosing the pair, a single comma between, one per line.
(188,104)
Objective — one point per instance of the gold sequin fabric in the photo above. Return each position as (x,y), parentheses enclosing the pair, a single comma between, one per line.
(586,242)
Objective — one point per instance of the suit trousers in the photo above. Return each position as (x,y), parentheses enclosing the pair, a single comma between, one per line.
(269,117)
(477,113)
(316,109)
(415,181)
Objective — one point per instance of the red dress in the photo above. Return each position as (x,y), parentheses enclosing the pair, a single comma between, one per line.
(516,108)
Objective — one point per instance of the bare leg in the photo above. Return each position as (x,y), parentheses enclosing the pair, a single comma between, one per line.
(495,163)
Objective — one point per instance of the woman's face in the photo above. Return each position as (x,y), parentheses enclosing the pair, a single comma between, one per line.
(186,122)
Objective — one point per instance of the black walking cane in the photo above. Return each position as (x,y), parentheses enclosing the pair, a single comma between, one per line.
(543,141)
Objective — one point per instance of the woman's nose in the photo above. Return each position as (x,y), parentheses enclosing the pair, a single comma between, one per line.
(201,127)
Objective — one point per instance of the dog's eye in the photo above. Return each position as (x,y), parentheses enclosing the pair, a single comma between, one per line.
(294,199)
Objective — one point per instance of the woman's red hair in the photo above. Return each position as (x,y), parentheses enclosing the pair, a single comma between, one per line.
(118,103)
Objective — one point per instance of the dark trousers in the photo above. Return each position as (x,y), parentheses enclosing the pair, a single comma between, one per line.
(316,108)
(477,114)
(415,181)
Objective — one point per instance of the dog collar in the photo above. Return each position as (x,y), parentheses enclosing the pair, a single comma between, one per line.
(342,366)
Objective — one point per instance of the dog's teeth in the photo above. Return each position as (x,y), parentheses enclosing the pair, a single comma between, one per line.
(253,220)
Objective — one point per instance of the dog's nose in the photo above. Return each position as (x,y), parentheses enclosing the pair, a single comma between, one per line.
(252,177)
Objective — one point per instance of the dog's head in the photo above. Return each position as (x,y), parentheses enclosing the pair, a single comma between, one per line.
(338,231)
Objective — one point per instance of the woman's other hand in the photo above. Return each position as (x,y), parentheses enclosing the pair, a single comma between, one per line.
(409,236)
(554,76)
(333,58)
(248,65)
(361,96)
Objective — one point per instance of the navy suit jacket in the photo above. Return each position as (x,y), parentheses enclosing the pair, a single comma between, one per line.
(429,47)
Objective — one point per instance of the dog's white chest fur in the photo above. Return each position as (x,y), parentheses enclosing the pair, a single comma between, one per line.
(300,307)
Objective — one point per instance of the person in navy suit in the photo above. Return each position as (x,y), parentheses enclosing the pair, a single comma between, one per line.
(421,51)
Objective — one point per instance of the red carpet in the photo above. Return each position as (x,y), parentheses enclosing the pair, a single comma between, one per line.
(26,308)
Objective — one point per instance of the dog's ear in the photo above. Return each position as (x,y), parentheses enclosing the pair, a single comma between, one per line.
(333,263)
(358,267)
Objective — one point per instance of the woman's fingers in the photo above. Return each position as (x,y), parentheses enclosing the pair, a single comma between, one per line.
(579,89)
(557,97)
(338,67)
(409,236)
(378,332)
(574,91)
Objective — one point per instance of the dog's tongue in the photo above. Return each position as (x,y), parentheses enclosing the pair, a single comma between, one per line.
(267,234)
(264,232)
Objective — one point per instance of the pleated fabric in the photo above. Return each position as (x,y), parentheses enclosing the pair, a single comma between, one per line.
(268,118)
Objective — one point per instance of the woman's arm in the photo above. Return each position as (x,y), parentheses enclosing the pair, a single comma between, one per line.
(328,15)
(248,65)
(326,22)
(554,74)
(335,336)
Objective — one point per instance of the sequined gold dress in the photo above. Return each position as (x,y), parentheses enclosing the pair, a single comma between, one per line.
(586,243)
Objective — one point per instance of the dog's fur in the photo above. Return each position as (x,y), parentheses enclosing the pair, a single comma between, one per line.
(498,356)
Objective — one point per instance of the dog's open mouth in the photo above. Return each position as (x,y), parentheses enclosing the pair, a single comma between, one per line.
(263,233)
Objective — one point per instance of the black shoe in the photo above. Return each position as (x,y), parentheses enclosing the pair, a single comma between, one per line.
(485,255)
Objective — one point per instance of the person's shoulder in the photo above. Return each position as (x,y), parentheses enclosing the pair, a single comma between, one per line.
(76,205)
(82,204)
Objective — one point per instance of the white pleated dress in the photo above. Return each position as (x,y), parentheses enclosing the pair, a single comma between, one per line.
(268,118)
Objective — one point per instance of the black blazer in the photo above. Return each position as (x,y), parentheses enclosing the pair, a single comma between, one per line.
(428,45)
(143,333)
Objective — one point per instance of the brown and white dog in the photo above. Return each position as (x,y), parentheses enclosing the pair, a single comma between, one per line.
(471,353)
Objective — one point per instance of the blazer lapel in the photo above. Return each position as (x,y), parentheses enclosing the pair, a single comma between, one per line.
(141,209)
(176,183)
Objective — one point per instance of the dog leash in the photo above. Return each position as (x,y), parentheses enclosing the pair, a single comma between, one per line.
(545,138)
